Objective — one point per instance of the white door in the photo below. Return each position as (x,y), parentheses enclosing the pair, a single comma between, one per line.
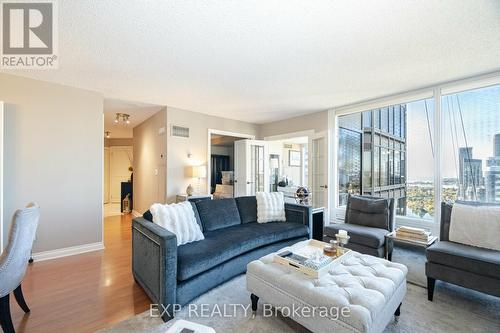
(251,171)
(120,159)
(106,175)
(319,172)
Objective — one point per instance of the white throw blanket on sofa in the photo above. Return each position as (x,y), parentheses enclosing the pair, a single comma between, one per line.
(270,207)
(179,219)
(476,225)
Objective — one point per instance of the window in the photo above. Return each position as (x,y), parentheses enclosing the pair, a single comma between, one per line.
(350,164)
(388,152)
(419,167)
(471,145)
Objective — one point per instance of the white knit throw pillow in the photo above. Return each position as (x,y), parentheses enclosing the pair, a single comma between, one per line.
(270,207)
(178,219)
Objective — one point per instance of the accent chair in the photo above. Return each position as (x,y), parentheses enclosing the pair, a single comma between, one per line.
(14,261)
(367,220)
(468,266)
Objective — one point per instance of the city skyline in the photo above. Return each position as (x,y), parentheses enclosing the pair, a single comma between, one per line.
(481,118)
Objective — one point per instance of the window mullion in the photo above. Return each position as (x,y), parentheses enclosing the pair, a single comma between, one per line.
(438,139)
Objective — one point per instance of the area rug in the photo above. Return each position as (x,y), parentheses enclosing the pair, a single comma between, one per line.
(454,309)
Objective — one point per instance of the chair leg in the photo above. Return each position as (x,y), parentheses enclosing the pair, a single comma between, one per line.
(430,288)
(398,310)
(255,300)
(5,318)
(18,293)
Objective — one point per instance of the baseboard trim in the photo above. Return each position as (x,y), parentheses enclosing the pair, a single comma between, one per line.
(67,251)
(136,213)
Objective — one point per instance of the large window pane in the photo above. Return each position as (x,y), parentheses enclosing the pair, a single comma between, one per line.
(376,167)
(384,163)
(420,155)
(384,119)
(367,162)
(349,164)
(391,119)
(367,119)
(376,119)
(471,145)
(397,156)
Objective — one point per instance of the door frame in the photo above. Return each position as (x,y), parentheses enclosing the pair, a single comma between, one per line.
(211,131)
(324,135)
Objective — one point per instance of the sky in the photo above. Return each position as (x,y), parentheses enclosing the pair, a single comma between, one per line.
(481,118)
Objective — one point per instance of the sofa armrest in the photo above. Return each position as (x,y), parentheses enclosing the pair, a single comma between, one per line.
(299,214)
(154,264)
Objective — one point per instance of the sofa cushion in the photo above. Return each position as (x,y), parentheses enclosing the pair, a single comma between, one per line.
(217,214)
(270,207)
(370,212)
(148,216)
(247,206)
(224,244)
(178,219)
(468,258)
(367,236)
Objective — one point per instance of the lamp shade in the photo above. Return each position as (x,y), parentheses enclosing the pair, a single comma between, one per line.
(199,171)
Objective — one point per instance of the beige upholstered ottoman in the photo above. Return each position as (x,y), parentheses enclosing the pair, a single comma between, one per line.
(361,294)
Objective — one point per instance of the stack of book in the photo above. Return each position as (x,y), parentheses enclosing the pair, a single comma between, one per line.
(416,234)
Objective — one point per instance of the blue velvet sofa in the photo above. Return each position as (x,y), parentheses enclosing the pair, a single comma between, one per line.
(174,275)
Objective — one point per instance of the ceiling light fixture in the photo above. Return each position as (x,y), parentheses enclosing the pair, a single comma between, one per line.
(125,118)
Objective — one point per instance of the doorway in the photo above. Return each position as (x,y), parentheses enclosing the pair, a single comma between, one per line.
(289,166)
(118,161)
(298,160)
(221,162)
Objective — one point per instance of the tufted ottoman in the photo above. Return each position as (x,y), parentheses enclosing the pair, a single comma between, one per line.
(361,294)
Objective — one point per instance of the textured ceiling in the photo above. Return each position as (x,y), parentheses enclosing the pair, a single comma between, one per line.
(138,113)
(265,60)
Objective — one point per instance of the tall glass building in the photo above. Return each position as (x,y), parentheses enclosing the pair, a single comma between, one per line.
(372,154)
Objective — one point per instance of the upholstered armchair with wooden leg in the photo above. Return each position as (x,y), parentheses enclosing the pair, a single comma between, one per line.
(14,261)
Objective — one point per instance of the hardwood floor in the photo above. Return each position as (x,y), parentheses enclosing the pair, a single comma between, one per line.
(86,292)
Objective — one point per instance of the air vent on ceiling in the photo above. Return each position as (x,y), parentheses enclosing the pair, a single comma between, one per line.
(287,146)
(180,131)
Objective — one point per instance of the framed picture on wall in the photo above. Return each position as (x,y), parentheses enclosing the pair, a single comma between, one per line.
(294,158)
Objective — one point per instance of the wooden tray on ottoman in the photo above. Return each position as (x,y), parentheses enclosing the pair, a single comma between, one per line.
(306,250)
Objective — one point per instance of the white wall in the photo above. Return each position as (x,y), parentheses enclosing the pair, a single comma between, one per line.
(54,155)
(150,162)
(197,144)
(315,121)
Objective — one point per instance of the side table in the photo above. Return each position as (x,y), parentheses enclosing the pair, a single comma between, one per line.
(390,238)
(318,222)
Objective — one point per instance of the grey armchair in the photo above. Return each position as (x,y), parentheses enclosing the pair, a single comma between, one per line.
(14,261)
(464,265)
(367,220)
